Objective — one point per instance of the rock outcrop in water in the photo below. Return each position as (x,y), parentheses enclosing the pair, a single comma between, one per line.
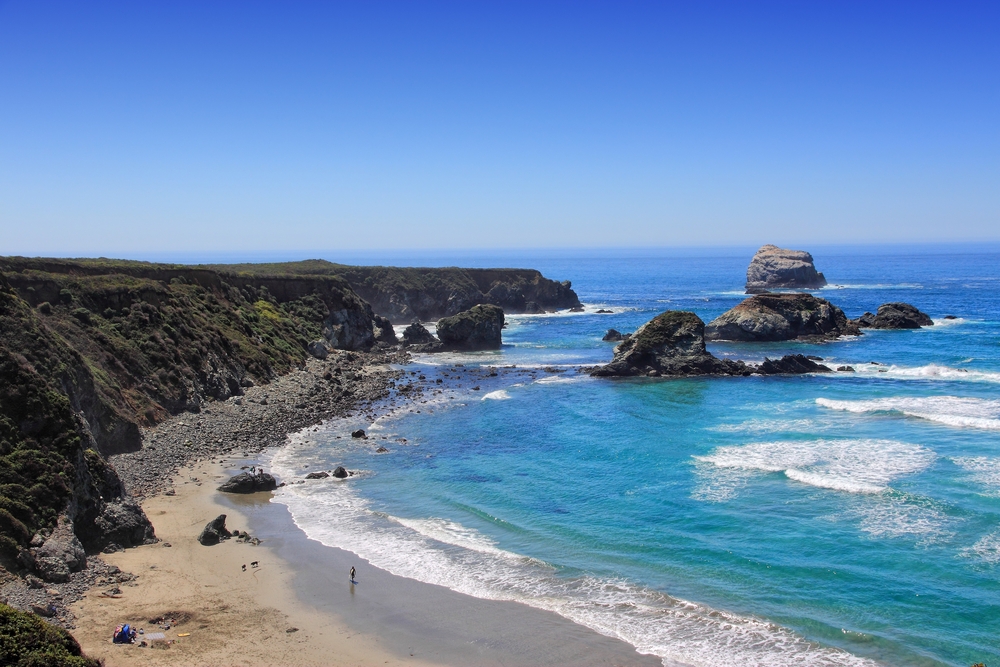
(478,328)
(791,364)
(776,317)
(671,344)
(895,315)
(776,268)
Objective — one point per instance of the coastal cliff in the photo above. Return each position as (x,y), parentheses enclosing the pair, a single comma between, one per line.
(405,294)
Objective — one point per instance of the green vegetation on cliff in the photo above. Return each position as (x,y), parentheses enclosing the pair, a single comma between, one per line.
(28,641)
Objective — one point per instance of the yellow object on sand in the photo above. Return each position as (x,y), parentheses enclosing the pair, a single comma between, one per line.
(184,634)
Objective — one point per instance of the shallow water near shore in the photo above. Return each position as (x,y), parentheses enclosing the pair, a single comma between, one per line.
(841,519)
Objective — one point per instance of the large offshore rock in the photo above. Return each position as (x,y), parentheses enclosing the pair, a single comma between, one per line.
(672,344)
(772,317)
(774,267)
(247,483)
(478,328)
(895,315)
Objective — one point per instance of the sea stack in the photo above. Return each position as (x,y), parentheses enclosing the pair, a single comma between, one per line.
(779,268)
(671,344)
(478,328)
(773,317)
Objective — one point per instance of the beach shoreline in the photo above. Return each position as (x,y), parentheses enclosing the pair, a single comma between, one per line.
(239,617)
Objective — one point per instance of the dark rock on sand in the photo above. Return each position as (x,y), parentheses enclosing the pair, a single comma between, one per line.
(773,317)
(318,475)
(247,483)
(478,328)
(340,472)
(773,267)
(895,316)
(57,555)
(671,344)
(215,531)
(791,364)
(613,335)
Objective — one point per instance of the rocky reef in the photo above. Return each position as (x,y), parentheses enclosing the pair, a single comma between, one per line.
(776,317)
(671,344)
(895,315)
(791,364)
(478,328)
(778,268)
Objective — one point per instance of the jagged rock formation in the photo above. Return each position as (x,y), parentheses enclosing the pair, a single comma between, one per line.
(247,483)
(672,344)
(774,317)
(54,557)
(384,332)
(478,328)
(895,315)
(791,364)
(614,336)
(774,268)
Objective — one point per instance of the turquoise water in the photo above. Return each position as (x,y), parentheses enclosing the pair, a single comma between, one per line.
(836,519)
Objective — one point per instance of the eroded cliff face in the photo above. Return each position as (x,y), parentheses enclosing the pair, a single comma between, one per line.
(154,340)
(57,495)
(407,294)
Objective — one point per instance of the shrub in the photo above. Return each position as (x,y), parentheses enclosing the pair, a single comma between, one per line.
(28,641)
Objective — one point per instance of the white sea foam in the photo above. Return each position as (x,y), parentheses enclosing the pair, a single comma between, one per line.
(854,466)
(445,553)
(903,516)
(498,395)
(770,426)
(560,379)
(928,372)
(942,322)
(949,410)
(986,549)
(983,470)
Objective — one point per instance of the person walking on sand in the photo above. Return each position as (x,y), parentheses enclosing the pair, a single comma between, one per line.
(352,573)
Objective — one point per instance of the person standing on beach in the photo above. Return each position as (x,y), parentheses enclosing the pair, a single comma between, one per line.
(352,573)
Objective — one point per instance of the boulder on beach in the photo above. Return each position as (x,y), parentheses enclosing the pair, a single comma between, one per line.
(478,328)
(360,433)
(791,364)
(54,557)
(318,349)
(671,344)
(247,483)
(215,531)
(776,268)
(340,472)
(895,315)
(318,475)
(774,317)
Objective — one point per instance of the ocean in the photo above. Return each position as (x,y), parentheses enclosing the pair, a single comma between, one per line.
(850,518)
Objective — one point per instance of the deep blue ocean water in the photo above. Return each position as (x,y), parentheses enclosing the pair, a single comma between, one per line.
(841,519)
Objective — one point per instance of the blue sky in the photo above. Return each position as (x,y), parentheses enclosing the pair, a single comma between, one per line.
(133,128)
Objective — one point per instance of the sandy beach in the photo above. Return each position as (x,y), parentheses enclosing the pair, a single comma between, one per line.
(298,606)
(226,616)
